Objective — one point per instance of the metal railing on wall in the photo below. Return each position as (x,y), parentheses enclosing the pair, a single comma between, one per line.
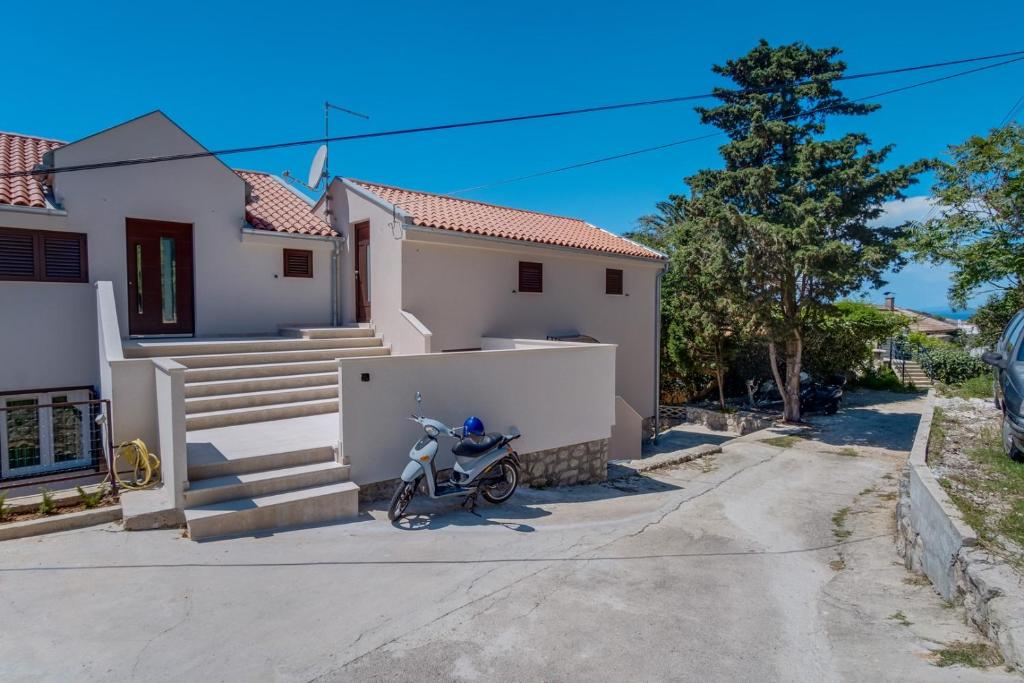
(47,443)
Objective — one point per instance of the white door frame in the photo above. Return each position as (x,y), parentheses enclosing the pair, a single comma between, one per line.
(47,456)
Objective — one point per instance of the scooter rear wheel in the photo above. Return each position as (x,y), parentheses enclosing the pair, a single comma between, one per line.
(400,500)
(502,490)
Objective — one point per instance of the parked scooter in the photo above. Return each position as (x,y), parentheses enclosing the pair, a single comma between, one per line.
(484,464)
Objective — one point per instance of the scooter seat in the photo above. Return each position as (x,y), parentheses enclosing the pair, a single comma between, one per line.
(468,448)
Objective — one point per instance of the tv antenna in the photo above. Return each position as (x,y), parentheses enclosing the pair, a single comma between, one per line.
(319,170)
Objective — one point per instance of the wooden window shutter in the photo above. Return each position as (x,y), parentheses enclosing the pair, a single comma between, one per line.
(298,263)
(18,255)
(64,258)
(531,277)
(612,281)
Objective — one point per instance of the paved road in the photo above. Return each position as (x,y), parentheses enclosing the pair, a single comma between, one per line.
(726,569)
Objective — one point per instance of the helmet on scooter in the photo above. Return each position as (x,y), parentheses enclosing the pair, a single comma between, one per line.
(473,426)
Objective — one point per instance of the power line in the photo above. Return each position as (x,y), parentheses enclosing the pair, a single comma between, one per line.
(484,122)
(1013,110)
(685,141)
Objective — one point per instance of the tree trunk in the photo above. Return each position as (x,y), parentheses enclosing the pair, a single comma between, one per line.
(773,360)
(720,378)
(794,356)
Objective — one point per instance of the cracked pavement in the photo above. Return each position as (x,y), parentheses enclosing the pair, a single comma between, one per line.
(723,569)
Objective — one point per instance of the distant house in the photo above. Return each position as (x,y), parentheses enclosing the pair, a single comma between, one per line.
(244,294)
(931,325)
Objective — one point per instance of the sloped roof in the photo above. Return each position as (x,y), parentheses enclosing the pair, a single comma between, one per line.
(275,206)
(23,153)
(272,205)
(467,216)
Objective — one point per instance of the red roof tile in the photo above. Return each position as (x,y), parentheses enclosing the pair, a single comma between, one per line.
(275,206)
(464,215)
(23,153)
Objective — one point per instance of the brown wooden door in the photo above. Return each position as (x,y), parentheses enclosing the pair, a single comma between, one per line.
(362,270)
(159,277)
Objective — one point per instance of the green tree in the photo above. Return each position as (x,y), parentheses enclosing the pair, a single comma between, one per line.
(844,339)
(699,303)
(993,316)
(794,207)
(980,229)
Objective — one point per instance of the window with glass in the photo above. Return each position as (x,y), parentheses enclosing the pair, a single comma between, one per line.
(44,431)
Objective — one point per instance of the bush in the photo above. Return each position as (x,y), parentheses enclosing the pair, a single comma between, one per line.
(3,505)
(48,505)
(883,379)
(91,500)
(951,365)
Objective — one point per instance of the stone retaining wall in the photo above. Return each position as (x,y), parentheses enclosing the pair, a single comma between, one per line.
(740,422)
(933,539)
(582,463)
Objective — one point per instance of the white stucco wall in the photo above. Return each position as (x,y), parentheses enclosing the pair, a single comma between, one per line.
(351,207)
(238,285)
(499,386)
(463,289)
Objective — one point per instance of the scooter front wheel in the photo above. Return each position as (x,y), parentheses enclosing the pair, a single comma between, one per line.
(400,500)
(502,489)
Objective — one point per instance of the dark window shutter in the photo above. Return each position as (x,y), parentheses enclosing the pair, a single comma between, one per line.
(298,263)
(531,277)
(17,255)
(64,258)
(612,281)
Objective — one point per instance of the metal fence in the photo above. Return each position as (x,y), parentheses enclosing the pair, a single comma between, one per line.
(55,441)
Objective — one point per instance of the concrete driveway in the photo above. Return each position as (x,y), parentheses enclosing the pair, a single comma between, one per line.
(733,568)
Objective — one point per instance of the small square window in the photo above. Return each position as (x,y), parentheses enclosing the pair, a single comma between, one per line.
(612,281)
(298,263)
(531,277)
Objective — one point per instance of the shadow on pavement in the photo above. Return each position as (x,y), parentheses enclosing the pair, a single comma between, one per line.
(871,420)
(680,438)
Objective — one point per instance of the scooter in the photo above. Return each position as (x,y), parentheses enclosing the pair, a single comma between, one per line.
(486,465)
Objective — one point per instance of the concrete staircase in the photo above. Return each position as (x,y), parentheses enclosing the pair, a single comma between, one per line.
(914,373)
(265,490)
(237,381)
(260,415)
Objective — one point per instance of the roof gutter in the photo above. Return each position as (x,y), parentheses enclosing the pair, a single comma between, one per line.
(36,210)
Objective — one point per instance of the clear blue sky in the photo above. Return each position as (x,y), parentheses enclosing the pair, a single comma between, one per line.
(253,72)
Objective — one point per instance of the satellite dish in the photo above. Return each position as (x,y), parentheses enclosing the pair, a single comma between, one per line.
(316,169)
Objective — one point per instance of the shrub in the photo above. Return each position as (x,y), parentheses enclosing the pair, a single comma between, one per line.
(3,505)
(91,500)
(883,379)
(47,506)
(951,365)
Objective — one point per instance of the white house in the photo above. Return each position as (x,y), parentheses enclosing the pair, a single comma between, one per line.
(212,307)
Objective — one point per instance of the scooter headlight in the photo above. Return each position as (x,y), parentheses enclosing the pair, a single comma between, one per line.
(431,430)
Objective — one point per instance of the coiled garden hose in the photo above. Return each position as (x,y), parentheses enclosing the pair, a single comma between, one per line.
(145,466)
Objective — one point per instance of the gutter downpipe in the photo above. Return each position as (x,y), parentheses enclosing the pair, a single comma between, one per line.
(657,354)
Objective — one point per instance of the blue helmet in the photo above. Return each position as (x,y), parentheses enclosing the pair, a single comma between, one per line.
(473,425)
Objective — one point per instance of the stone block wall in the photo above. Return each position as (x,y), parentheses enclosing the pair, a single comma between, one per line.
(582,463)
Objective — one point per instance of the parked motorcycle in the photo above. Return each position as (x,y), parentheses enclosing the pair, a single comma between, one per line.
(814,396)
(485,464)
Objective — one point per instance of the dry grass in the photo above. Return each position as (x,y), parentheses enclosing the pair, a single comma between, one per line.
(976,655)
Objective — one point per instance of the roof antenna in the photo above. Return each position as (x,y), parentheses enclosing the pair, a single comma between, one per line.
(319,171)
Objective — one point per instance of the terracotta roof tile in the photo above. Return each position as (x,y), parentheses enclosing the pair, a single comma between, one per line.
(23,153)
(463,215)
(275,206)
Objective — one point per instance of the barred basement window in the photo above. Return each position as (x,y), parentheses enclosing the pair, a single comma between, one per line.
(298,263)
(612,281)
(43,256)
(531,277)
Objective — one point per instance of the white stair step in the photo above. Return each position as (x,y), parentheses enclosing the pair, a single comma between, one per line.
(241,386)
(200,347)
(302,332)
(229,371)
(263,483)
(237,416)
(292,508)
(206,461)
(252,399)
(364,347)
